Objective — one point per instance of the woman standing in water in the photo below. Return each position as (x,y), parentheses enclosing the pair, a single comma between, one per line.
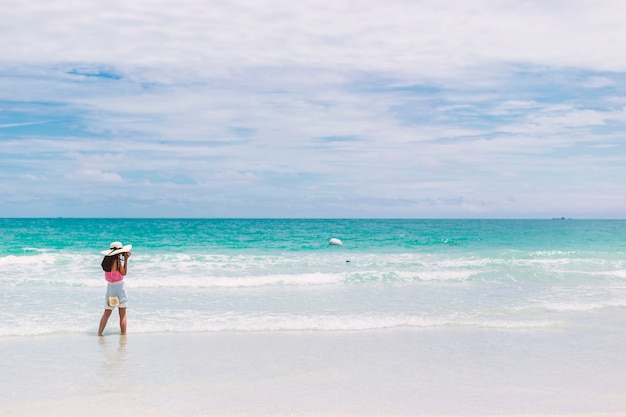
(115,266)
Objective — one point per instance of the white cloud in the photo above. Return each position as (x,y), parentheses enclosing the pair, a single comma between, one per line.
(10,125)
(599,82)
(444,107)
(92,175)
(396,36)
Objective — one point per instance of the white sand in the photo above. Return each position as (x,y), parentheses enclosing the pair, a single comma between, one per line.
(389,373)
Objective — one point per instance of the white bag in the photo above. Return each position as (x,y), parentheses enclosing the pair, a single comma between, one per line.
(113,301)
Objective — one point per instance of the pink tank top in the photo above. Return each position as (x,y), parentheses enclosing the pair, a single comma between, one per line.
(113,276)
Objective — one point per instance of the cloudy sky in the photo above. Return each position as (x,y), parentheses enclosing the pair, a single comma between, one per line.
(299,108)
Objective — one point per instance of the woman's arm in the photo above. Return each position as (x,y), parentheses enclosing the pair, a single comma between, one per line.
(124,266)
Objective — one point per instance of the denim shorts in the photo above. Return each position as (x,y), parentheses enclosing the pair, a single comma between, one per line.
(116,289)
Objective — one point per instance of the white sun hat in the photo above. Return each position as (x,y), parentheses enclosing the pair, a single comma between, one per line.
(115,248)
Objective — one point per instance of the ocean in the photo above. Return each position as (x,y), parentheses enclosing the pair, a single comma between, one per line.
(406,317)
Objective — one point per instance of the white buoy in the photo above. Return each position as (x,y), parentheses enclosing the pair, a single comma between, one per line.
(335,241)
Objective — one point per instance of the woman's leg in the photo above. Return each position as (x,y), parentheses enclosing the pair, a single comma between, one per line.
(122,319)
(103,321)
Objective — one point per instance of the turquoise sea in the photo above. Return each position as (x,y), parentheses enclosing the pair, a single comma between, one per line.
(256,275)
(515,308)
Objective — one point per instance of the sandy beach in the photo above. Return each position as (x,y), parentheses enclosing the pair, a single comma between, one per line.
(422,373)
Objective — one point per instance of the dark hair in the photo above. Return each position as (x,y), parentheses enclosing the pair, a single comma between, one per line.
(108,261)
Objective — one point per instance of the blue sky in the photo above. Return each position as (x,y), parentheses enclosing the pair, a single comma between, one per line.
(395,108)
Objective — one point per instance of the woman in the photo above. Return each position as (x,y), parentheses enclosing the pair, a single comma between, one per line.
(115,266)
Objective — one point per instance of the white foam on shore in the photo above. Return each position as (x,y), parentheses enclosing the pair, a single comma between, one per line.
(187,321)
(44,269)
